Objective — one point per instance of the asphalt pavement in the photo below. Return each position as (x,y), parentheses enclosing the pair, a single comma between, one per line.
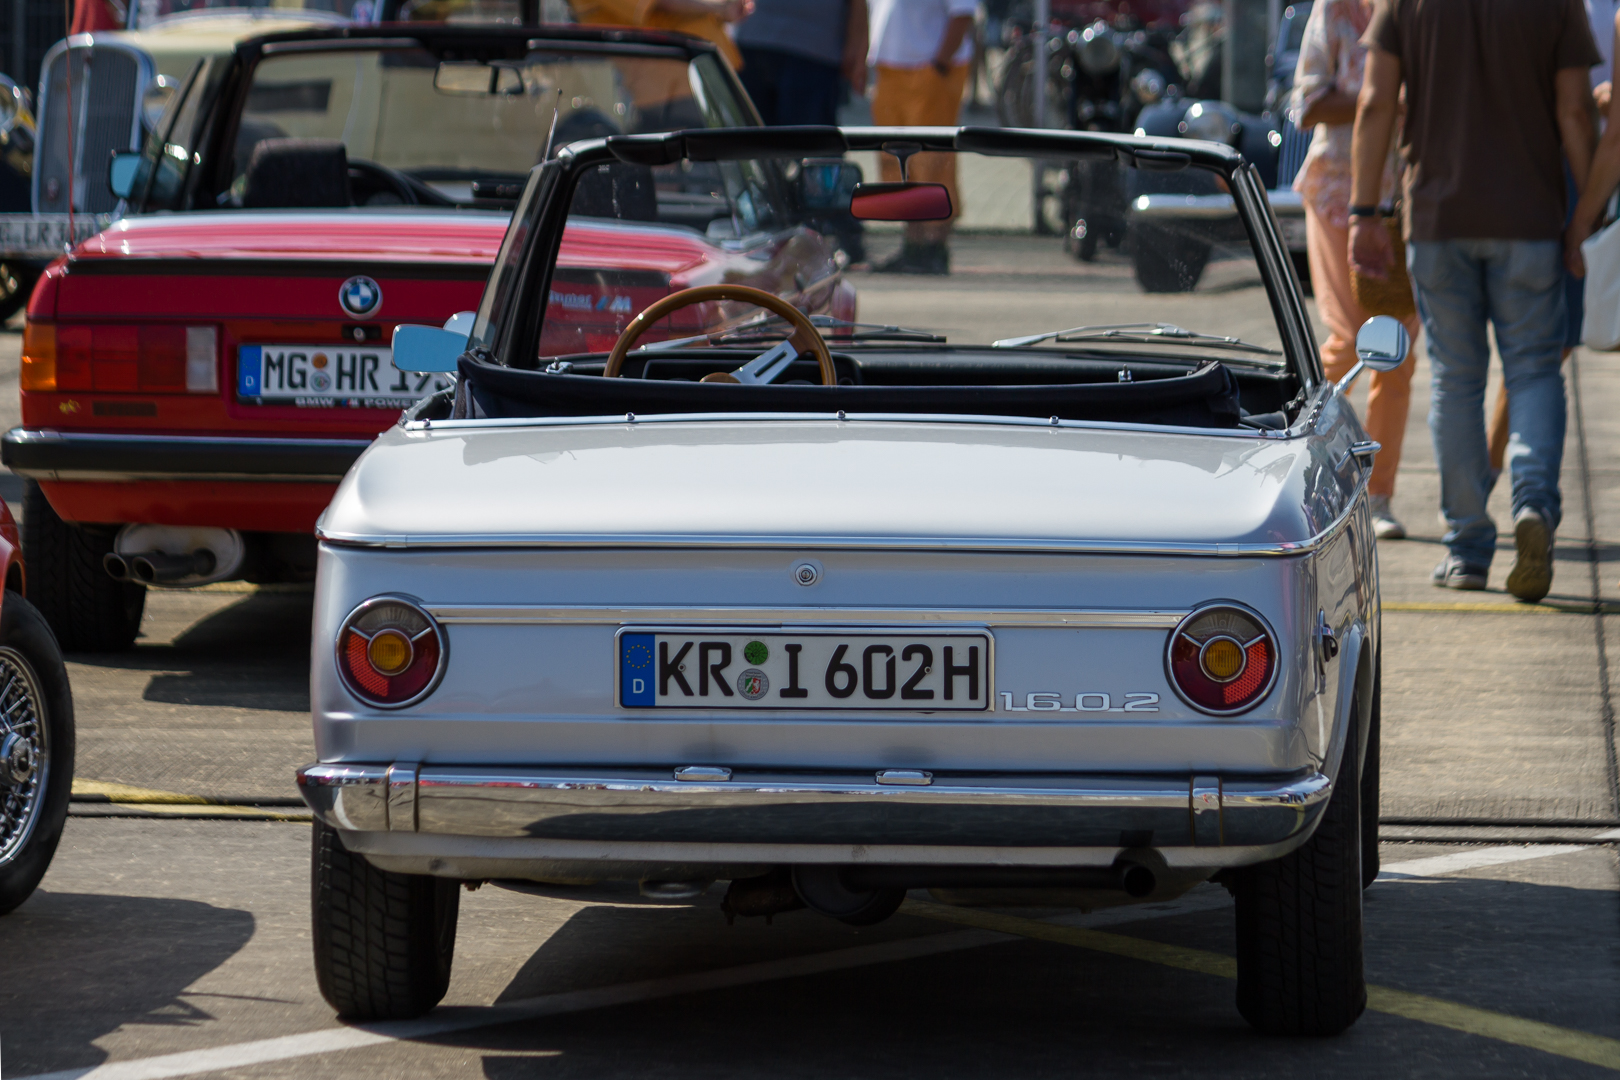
(171,936)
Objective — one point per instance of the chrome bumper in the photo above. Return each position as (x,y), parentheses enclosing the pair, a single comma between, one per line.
(759,816)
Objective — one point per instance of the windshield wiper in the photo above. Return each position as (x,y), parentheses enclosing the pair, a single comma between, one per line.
(1139,333)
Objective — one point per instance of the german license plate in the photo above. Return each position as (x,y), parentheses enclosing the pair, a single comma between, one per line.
(861,672)
(329,376)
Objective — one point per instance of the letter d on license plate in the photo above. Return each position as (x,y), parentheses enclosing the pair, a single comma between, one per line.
(858,672)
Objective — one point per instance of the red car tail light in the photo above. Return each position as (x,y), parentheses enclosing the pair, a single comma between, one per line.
(390,652)
(1222,659)
(126,359)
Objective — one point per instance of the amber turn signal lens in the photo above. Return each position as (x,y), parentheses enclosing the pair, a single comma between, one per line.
(38,356)
(1222,659)
(389,652)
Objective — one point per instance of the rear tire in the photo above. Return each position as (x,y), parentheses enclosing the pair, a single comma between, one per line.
(88,609)
(1299,930)
(1165,262)
(384,942)
(38,707)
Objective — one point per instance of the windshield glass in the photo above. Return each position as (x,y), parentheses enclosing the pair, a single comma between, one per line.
(1116,258)
(403,116)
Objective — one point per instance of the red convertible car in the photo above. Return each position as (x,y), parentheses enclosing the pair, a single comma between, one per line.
(196,379)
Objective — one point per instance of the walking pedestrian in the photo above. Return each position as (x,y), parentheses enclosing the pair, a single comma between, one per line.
(706,19)
(1326,82)
(795,52)
(921,50)
(1494,89)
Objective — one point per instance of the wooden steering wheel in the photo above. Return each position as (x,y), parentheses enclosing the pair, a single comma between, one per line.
(805,338)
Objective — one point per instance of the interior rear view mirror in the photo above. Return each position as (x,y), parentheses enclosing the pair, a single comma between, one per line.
(121,169)
(427,348)
(476,77)
(827,183)
(903,201)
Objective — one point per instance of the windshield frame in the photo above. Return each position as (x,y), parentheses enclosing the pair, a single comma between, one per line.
(510,316)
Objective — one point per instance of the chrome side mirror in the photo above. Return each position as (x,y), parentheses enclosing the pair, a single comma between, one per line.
(1382,344)
(121,169)
(427,348)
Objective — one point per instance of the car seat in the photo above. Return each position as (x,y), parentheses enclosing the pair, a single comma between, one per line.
(286,173)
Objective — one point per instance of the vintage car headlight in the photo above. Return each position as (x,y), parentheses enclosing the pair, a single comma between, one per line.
(390,652)
(1222,659)
(1208,120)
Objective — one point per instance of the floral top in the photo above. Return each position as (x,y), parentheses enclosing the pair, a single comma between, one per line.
(1332,57)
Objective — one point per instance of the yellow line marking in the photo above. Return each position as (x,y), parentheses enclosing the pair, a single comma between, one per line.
(174,804)
(1533,1034)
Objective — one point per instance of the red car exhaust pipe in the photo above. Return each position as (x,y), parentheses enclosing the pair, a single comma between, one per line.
(116,566)
(160,568)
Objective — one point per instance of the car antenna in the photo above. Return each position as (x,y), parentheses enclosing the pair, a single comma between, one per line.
(552,134)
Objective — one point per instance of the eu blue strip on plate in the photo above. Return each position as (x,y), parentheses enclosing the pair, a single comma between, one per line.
(249,370)
(636,670)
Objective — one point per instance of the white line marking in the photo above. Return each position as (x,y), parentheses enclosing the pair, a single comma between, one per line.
(1612,834)
(1474,859)
(463,1018)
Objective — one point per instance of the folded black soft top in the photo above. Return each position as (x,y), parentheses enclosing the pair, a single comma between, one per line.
(1205,397)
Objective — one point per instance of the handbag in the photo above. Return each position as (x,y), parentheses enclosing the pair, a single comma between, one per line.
(1390,295)
(1602,253)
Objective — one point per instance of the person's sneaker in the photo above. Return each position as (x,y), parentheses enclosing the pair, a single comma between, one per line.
(1386,526)
(1531,576)
(1453,573)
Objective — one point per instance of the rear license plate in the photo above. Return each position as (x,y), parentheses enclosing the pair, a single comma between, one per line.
(329,376)
(831,669)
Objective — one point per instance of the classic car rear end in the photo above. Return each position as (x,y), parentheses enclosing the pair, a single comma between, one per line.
(1013,614)
(198,377)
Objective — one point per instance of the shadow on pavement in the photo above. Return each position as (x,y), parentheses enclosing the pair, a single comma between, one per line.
(77,965)
(1028,1008)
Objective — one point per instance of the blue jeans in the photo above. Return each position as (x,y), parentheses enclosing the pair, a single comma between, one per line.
(1518,287)
(790,89)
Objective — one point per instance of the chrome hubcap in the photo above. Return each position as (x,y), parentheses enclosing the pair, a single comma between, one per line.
(24,753)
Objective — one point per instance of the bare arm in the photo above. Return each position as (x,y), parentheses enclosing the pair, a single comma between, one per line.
(1333,107)
(724,10)
(856,41)
(955,32)
(1376,110)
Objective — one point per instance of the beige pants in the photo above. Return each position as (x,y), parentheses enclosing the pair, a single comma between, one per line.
(1327,247)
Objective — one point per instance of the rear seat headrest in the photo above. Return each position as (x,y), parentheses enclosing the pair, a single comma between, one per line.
(297,173)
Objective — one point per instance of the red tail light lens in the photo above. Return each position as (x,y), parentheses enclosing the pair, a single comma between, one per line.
(1222,659)
(136,359)
(390,652)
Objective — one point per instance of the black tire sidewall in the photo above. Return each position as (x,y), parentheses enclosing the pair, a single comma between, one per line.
(24,629)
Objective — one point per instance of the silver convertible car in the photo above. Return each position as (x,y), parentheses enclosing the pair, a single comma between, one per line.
(1027,588)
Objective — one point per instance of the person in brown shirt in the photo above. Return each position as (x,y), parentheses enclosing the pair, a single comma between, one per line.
(1497,95)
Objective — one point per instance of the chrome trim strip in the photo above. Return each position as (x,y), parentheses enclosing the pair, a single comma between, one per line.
(1284,203)
(419,427)
(583,615)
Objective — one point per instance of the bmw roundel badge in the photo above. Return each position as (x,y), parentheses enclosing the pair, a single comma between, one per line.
(360,296)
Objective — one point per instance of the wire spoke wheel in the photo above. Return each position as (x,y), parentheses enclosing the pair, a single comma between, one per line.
(25,752)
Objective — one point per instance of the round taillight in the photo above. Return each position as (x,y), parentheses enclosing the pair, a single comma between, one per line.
(390,652)
(1222,659)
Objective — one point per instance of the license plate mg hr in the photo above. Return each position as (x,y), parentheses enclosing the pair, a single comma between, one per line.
(818,669)
(329,376)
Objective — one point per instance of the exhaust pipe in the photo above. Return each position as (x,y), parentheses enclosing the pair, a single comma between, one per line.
(115,565)
(160,568)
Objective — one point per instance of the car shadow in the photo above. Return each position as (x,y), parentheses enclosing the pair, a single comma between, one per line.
(1549,953)
(253,654)
(79,965)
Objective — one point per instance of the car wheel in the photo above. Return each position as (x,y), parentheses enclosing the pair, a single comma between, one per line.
(1165,262)
(1299,933)
(16,286)
(89,610)
(383,941)
(1369,788)
(36,748)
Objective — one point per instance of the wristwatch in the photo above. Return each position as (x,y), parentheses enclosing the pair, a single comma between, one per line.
(1363,211)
